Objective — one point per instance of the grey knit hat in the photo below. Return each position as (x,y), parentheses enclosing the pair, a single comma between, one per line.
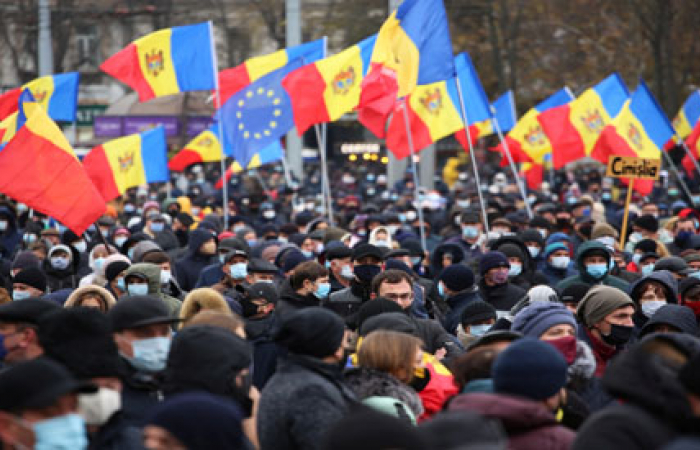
(599,302)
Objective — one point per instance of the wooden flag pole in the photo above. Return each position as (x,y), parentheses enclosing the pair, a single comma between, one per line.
(623,232)
(465,119)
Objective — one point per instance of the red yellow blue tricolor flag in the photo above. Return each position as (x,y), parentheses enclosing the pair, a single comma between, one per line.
(166,62)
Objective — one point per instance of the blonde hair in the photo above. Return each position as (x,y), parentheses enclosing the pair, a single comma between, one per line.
(391,352)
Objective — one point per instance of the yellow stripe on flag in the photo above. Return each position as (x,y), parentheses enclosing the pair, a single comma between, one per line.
(343,75)
(589,117)
(681,124)
(207,145)
(397,51)
(42,89)
(42,125)
(432,103)
(262,65)
(529,134)
(124,156)
(632,131)
(155,60)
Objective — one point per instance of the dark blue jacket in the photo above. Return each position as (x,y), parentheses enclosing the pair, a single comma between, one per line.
(189,267)
(457,304)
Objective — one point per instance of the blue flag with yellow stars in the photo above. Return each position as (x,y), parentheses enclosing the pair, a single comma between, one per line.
(258,115)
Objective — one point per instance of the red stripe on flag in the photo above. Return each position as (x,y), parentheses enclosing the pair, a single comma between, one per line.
(50,180)
(306,88)
(461,137)
(534,176)
(567,145)
(8,102)
(184,159)
(610,143)
(124,66)
(100,172)
(379,90)
(231,81)
(396,138)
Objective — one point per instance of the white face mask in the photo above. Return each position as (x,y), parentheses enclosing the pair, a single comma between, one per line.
(560,262)
(608,241)
(97,408)
(81,246)
(165,276)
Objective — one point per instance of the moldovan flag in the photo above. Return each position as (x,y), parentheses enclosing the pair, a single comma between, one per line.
(236,78)
(166,62)
(641,129)
(533,174)
(413,47)
(434,110)
(526,141)
(129,161)
(688,116)
(574,128)
(205,147)
(38,168)
(325,90)
(57,94)
(503,109)
(693,143)
(267,155)
(8,102)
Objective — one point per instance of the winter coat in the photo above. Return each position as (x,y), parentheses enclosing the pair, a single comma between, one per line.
(210,275)
(347,301)
(653,410)
(366,383)
(581,379)
(68,278)
(11,237)
(680,317)
(189,267)
(528,424)
(300,403)
(141,391)
(457,304)
(116,435)
(529,276)
(502,297)
(290,301)
(261,334)
(584,277)
(152,273)
(601,352)
(555,276)
(670,287)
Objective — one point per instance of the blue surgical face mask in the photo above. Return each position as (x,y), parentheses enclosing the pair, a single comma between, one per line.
(470,232)
(21,295)
(515,270)
(157,227)
(60,262)
(441,289)
(322,290)
(130,253)
(119,241)
(61,432)
(415,260)
(534,251)
(137,289)
(307,253)
(98,263)
(636,257)
(649,268)
(150,354)
(346,272)
(649,308)
(252,242)
(239,271)
(121,285)
(597,270)
(479,330)
(695,274)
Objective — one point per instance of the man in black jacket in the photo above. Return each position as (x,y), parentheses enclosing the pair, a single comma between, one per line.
(494,286)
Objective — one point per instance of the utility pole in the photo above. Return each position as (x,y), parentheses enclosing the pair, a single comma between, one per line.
(294,143)
(45,48)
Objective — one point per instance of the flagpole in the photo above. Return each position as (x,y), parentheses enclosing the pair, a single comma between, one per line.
(688,152)
(465,119)
(416,192)
(220,125)
(321,147)
(670,162)
(518,181)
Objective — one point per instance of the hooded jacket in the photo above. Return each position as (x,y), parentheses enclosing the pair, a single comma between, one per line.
(107,296)
(189,267)
(676,316)
(583,276)
(653,410)
(366,382)
(57,279)
(529,276)
(151,272)
(528,424)
(670,287)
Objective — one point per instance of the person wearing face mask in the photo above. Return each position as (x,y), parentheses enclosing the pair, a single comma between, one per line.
(181,227)
(213,273)
(339,263)
(650,293)
(605,314)
(593,261)
(476,320)
(19,330)
(683,232)
(145,279)
(306,286)
(29,283)
(39,407)
(458,288)
(96,260)
(168,281)
(522,272)
(79,247)
(381,237)
(641,248)
(671,318)
(367,263)
(114,267)
(529,378)
(553,323)
(141,328)
(494,287)
(470,240)
(258,307)
(81,341)
(534,242)
(201,252)
(689,291)
(557,266)
(60,267)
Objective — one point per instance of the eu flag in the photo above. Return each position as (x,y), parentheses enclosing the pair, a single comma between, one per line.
(258,115)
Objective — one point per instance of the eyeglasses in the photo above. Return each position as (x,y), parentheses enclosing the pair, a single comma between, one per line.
(404,296)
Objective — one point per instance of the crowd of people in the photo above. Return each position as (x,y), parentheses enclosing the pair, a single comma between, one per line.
(168,326)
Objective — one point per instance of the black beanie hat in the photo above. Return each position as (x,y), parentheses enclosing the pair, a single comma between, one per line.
(491,260)
(477,311)
(31,276)
(574,293)
(114,269)
(647,222)
(512,251)
(374,308)
(646,245)
(81,340)
(312,331)
(457,277)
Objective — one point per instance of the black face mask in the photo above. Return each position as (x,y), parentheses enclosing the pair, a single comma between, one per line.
(619,335)
(241,394)
(248,308)
(366,272)
(563,223)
